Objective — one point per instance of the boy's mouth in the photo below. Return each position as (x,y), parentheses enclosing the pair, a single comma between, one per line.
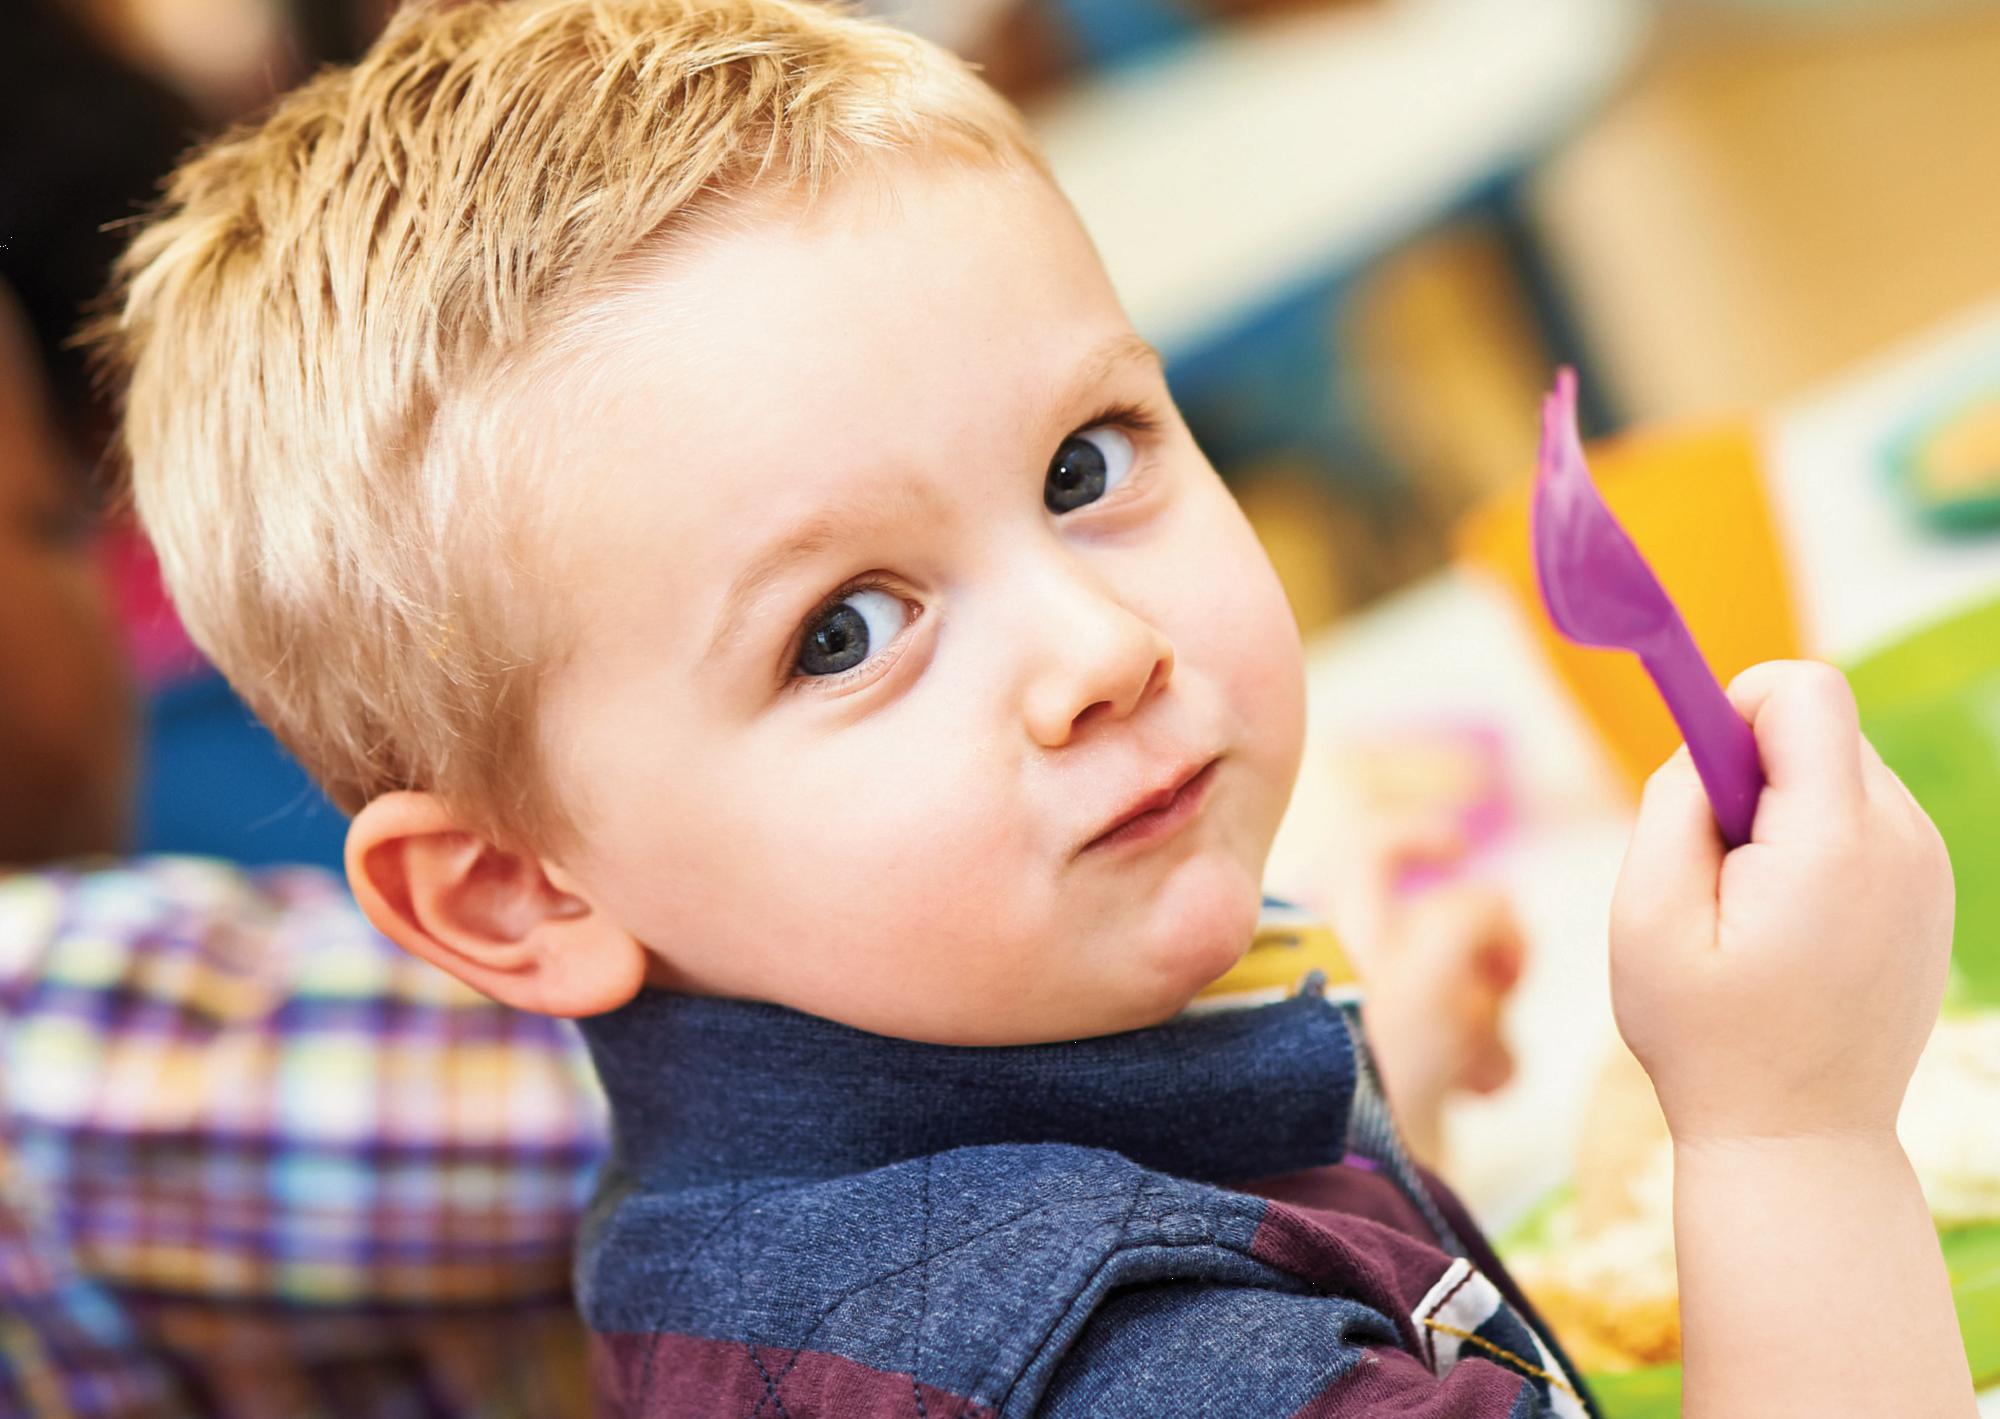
(1159,813)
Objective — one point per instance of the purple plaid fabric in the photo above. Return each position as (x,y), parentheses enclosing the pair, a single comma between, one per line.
(255,1161)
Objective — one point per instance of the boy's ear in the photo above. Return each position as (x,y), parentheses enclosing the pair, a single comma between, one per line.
(488,915)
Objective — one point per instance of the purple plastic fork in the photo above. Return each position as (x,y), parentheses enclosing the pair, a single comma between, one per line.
(1600,592)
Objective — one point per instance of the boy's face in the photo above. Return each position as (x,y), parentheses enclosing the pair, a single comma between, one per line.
(900,582)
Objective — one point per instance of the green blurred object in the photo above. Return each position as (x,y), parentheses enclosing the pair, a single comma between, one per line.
(1653,1393)
(1931,704)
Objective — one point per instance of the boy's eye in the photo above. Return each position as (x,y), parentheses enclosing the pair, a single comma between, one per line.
(1087,466)
(842,636)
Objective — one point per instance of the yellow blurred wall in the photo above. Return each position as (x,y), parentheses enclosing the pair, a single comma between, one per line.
(1776,198)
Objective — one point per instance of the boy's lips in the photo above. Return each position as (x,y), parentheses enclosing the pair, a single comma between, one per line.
(1159,812)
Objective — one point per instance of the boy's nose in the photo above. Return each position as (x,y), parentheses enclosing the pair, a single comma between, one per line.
(1099,661)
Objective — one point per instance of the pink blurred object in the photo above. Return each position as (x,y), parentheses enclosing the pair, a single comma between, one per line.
(156,646)
(1451,771)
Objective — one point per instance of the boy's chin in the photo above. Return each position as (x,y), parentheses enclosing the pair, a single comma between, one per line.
(1196,931)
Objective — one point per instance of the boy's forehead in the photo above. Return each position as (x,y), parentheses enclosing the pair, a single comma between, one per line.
(923,281)
(953,315)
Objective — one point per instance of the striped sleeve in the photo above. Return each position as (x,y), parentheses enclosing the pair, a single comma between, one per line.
(244,1130)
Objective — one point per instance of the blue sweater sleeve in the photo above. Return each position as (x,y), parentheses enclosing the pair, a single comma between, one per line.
(1191,1349)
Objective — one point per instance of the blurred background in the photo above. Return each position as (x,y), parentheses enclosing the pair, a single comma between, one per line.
(1364,233)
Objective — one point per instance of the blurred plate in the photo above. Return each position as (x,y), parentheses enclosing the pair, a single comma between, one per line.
(1972,1258)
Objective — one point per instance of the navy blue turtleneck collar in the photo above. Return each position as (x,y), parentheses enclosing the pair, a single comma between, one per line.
(707,1091)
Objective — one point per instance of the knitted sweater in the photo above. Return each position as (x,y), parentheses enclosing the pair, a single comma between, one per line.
(1209,1217)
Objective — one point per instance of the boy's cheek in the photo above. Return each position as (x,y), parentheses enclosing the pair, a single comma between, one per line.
(1246,631)
(1266,678)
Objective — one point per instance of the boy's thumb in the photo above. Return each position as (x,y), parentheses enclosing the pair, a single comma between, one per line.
(1668,883)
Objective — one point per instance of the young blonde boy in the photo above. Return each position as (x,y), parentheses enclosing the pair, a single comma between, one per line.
(678,473)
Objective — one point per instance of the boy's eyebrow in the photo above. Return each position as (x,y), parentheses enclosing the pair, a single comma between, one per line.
(823,529)
(828,526)
(1099,363)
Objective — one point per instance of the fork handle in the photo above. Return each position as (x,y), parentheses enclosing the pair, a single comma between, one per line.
(1721,743)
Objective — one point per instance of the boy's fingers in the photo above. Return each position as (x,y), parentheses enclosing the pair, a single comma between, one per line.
(1885,784)
(1675,857)
(1469,932)
(1809,739)
(1502,957)
(1490,1066)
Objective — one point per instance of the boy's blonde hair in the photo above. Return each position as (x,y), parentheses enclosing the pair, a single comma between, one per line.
(313,329)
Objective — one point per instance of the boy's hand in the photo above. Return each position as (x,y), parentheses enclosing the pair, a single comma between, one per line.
(1436,987)
(1438,965)
(1783,990)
